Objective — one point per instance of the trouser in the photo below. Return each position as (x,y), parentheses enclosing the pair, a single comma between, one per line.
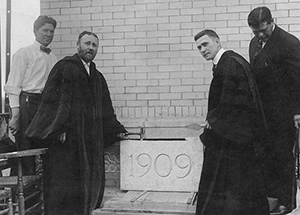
(280,169)
(29,103)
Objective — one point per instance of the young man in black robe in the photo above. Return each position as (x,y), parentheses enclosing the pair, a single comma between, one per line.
(75,121)
(230,182)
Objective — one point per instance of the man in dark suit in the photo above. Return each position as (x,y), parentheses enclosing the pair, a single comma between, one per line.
(275,61)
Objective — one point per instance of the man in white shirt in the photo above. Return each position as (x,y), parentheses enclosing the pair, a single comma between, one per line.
(30,69)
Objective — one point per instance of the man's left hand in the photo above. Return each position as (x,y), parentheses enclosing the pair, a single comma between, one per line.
(123,136)
(297,121)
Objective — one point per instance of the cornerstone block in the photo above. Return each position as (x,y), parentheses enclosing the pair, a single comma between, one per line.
(161,165)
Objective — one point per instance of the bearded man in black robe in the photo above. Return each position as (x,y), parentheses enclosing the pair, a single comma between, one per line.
(75,121)
(231,179)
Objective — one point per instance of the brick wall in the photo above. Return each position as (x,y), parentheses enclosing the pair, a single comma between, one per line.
(147,52)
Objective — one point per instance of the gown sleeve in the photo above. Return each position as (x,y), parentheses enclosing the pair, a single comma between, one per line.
(53,113)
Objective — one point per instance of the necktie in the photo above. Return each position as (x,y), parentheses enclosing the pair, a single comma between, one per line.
(214,67)
(45,49)
(258,48)
(87,68)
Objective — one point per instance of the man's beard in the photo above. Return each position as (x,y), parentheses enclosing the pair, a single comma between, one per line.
(83,54)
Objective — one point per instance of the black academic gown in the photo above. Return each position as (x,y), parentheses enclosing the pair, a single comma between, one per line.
(277,72)
(79,105)
(231,179)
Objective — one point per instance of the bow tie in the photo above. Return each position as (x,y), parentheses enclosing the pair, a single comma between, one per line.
(45,49)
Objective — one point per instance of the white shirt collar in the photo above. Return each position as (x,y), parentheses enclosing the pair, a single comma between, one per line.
(218,56)
(38,44)
(86,65)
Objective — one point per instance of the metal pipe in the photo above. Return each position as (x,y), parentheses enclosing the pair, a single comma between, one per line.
(8,36)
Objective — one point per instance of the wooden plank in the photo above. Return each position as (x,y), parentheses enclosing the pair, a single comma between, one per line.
(151,202)
(138,196)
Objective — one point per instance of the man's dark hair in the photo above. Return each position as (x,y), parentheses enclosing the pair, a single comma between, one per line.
(42,20)
(207,32)
(258,16)
(86,33)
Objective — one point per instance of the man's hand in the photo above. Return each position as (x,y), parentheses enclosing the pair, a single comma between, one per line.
(14,121)
(123,136)
(206,125)
(62,138)
(297,121)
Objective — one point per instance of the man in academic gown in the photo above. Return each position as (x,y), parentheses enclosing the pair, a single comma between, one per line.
(75,121)
(275,62)
(231,175)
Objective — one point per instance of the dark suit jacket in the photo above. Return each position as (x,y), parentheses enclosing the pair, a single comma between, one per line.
(277,73)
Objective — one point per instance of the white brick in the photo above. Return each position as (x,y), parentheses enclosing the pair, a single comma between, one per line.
(75,10)
(192,11)
(135,7)
(114,49)
(124,28)
(157,20)
(158,89)
(157,34)
(136,76)
(168,12)
(170,96)
(181,89)
(148,96)
(135,62)
(91,10)
(102,3)
(102,16)
(187,18)
(139,34)
(159,75)
(135,48)
(169,82)
(123,15)
(108,22)
(157,6)
(81,3)
(140,14)
(123,2)
(60,5)
(112,8)
(228,2)
(135,89)
(147,82)
(146,41)
(169,26)
(158,48)
(147,50)
(181,5)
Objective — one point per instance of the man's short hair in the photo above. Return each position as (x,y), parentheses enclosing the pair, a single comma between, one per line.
(207,32)
(258,16)
(42,20)
(86,33)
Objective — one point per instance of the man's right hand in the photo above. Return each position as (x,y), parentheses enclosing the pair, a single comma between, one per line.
(14,121)
(205,125)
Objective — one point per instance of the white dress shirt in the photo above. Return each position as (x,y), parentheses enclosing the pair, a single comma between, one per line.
(218,56)
(86,66)
(29,72)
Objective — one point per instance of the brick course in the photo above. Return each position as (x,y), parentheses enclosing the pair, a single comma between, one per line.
(147,52)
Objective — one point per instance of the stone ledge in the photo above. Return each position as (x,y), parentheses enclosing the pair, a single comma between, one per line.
(137,202)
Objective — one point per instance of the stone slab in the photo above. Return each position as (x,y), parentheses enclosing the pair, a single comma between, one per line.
(161,165)
(137,202)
